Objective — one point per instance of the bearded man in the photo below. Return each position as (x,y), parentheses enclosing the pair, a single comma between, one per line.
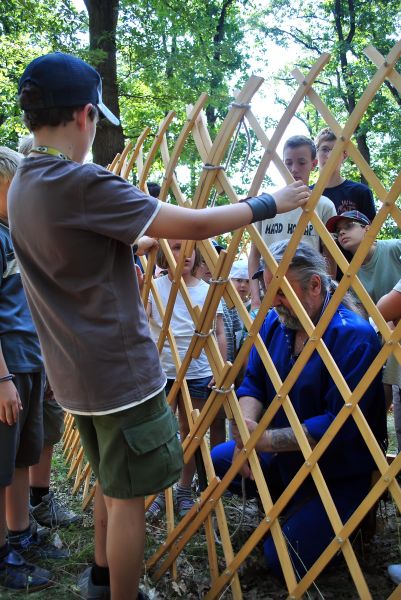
(347,464)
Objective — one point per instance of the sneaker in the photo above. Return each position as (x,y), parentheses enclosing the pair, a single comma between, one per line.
(157,509)
(43,532)
(18,575)
(184,505)
(51,514)
(91,591)
(394,572)
(32,545)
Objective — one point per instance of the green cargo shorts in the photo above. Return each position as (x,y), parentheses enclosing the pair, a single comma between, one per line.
(134,452)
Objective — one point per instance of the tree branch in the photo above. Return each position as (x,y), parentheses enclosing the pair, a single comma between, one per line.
(351,32)
(297,38)
(393,92)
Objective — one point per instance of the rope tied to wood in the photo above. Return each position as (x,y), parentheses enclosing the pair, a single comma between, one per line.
(223,390)
(240,105)
(209,167)
(202,334)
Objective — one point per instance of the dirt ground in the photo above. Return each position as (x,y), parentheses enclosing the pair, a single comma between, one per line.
(257,584)
(193,571)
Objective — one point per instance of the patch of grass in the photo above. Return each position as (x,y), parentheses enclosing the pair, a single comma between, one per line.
(193,565)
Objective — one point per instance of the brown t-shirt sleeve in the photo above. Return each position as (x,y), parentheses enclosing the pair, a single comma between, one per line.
(115,208)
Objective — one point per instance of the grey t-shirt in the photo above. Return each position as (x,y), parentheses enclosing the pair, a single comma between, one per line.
(72,226)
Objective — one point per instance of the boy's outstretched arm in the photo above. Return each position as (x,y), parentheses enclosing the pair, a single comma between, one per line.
(175,222)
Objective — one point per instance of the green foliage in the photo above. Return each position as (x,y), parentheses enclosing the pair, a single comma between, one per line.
(29,29)
(168,56)
(344,29)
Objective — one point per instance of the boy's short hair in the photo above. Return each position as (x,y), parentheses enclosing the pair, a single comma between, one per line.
(296,141)
(56,85)
(36,118)
(9,161)
(25,144)
(325,135)
(161,260)
(153,189)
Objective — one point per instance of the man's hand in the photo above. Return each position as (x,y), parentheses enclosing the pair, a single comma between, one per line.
(245,470)
(236,435)
(292,196)
(146,244)
(10,403)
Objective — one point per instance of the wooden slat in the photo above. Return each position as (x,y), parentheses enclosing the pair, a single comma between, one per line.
(210,503)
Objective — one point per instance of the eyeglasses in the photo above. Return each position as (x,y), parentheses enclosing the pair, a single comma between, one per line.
(347,227)
(324,149)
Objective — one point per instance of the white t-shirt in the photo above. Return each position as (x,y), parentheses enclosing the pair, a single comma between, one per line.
(182,326)
(283,226)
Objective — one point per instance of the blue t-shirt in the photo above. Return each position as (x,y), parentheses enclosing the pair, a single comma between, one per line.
(315,397)
(19,341)
(352,195)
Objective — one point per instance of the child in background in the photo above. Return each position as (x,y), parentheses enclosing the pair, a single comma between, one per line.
(199,375)
(240,278)
(21,415)
(345,194)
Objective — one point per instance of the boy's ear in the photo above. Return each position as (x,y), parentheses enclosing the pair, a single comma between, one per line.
(314,163)
(81,115)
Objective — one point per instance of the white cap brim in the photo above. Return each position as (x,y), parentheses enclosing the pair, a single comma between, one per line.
(108,114)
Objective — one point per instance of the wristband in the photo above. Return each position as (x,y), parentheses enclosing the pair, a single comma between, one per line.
(135,248)
(8,377)
(262,207)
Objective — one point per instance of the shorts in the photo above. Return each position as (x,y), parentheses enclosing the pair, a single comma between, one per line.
(198,388)
(53,418)
(133,452)
(21,444)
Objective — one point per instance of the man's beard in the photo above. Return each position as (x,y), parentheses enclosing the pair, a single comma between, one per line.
(287,318)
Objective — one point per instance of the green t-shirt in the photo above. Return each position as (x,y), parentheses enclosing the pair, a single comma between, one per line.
(383,271)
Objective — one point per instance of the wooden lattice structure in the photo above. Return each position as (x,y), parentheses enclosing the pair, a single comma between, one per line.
(212,154)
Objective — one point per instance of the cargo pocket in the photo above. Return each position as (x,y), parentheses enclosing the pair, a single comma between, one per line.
(156,459)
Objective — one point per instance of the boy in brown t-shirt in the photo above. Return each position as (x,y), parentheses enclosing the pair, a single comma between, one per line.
(73,240)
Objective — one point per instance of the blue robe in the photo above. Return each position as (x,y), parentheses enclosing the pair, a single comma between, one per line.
(347,464)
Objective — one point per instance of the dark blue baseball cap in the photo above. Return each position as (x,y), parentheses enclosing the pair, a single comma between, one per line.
(351,215)
(65,80)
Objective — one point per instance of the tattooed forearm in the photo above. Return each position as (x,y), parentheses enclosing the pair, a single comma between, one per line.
(284,440)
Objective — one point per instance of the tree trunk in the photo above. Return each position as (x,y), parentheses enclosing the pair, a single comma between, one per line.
(103,16)
(217,76)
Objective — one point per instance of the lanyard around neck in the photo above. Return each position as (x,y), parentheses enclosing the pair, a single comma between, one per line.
(50,151)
